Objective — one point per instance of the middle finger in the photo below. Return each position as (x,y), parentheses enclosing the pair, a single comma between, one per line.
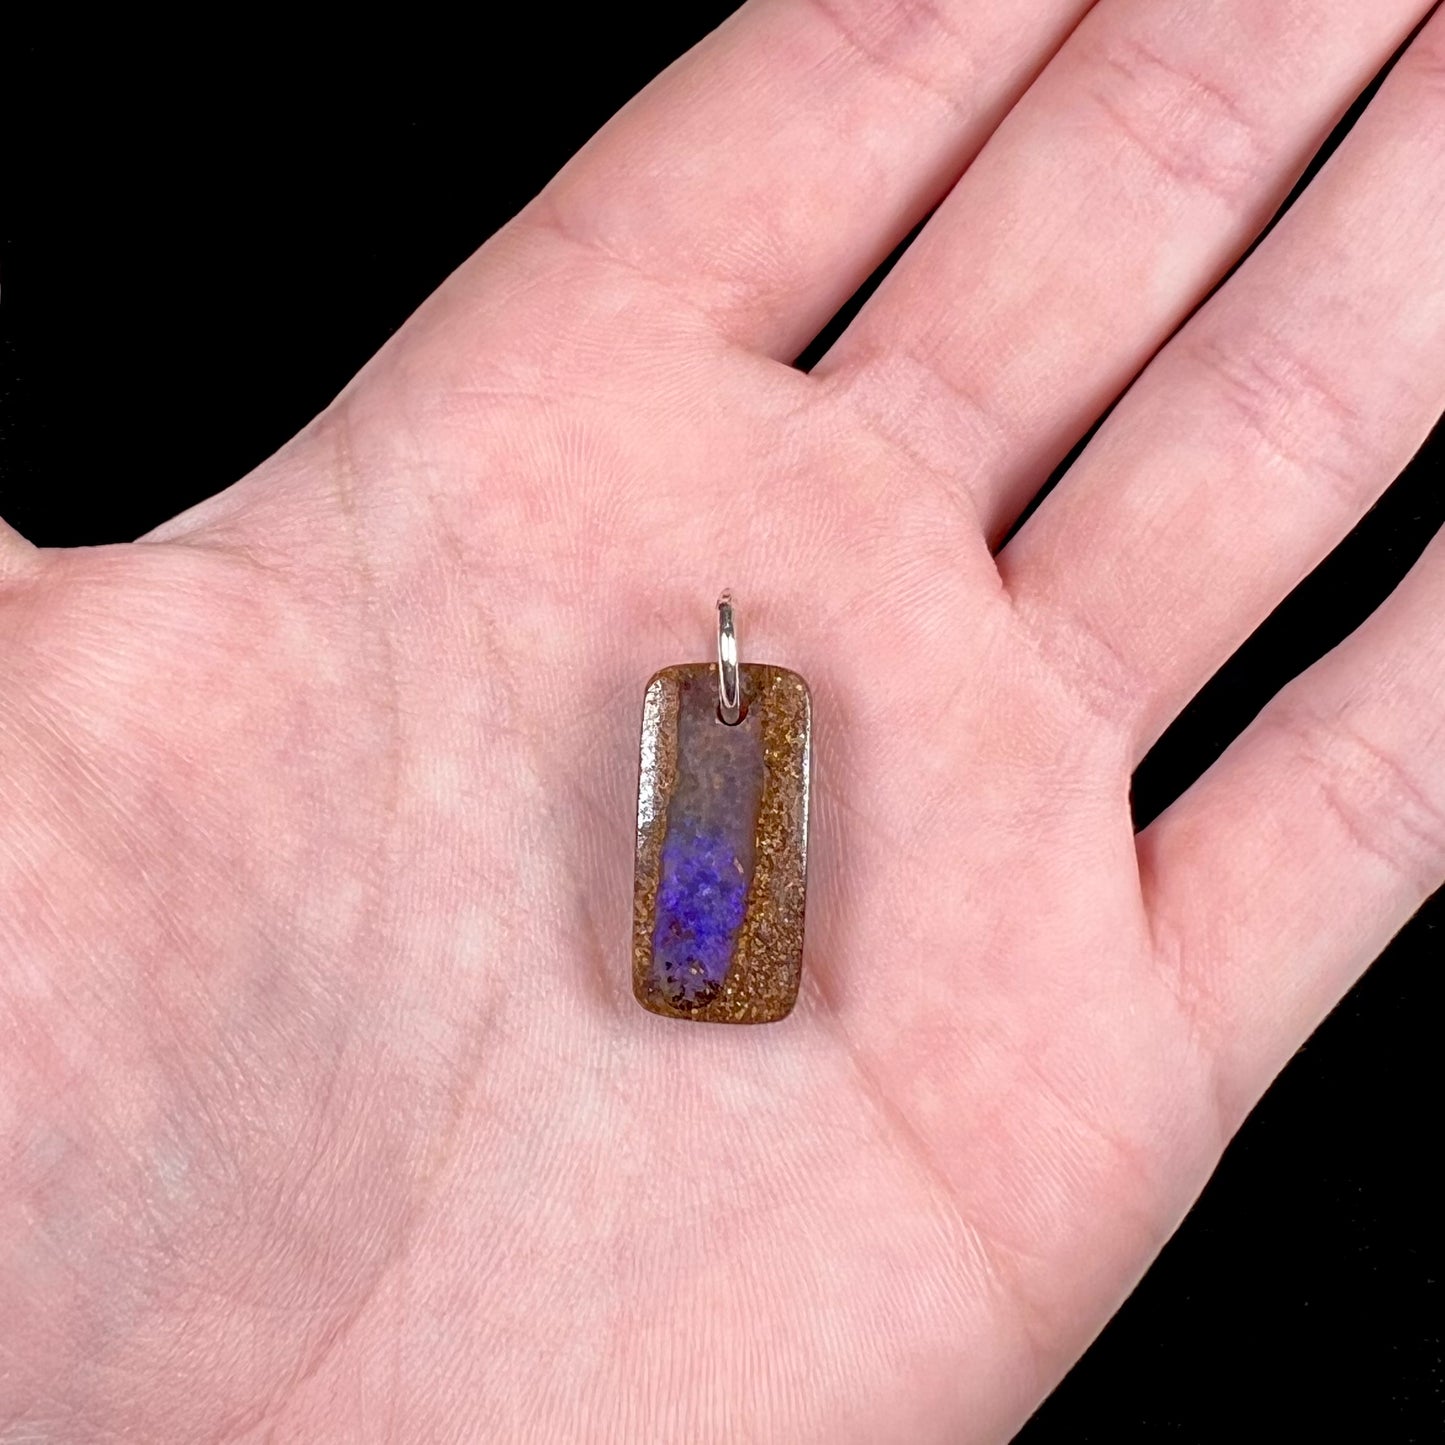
(1151,150)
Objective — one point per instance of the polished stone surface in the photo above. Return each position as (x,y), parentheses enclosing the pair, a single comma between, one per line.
(722,842)
(707,850)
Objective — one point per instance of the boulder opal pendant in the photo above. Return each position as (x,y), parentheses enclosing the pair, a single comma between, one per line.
(722,838)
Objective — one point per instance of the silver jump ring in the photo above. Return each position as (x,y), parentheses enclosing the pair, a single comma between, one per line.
(729,682)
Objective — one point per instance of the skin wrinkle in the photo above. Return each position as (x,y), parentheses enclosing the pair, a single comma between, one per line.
(1090,670)
(1290,408)
(989,1255)
(548,213)
(847,380)
(1199,1012)
(867,30)
(464,1093)
(999,1262)
(199,1092)
(1237,159)
(1350,772)
(1037,1320)
(343,477)
(67,761)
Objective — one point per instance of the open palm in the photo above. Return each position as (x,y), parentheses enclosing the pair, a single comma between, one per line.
(326,1109)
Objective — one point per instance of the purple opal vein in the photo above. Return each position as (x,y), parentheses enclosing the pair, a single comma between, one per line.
(701,899)
(707,849)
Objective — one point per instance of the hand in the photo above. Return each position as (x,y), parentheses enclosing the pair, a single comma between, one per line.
(327,1113)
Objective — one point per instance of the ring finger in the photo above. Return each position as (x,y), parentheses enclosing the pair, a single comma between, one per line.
(1261,434)
(1152,149)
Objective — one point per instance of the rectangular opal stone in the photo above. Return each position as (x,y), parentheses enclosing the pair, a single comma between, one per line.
(722,846)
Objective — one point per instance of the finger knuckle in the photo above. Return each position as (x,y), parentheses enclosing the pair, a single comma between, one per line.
(1280,403)
(1192,128)
(1386,807)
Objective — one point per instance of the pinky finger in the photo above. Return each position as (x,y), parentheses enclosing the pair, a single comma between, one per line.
(1277,878)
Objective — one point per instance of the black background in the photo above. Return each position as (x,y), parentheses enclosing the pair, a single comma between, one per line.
(205,235)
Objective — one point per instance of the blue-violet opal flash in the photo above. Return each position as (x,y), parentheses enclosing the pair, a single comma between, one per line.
(707,850)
